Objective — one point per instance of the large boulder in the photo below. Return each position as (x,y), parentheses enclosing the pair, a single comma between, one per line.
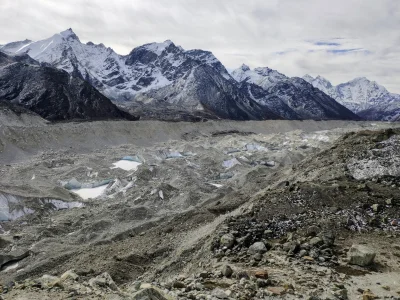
(149,292)
(227,240)
(227,271)
(361,255)
(103,281)
(258,247)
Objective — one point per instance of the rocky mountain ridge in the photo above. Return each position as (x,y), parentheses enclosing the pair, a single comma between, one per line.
(362,96)
(51,93)
(294,98)
(159,77)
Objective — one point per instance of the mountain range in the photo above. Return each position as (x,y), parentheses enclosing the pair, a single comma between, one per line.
(164,81)
(366,98)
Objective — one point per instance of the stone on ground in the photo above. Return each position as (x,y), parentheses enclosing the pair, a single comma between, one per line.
(361,255)
(258,247)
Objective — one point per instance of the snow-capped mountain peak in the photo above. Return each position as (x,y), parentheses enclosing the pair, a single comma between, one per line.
(362,96)
(158,48)
(324,83)
(245,68)
(265,71)
(320,83)
(69,34)
(308,78)
(264,77)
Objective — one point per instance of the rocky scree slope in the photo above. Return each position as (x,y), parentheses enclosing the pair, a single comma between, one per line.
(293,98)
(366,98)
(160,77)
(51,93)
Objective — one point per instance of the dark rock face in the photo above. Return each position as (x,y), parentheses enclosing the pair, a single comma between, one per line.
(207,91)
(309,102)
(272,101)
(291,98)
(53,94)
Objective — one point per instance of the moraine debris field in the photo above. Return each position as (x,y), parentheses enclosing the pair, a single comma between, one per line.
(212,210)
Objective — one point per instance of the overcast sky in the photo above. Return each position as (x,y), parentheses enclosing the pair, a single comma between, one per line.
(339,40)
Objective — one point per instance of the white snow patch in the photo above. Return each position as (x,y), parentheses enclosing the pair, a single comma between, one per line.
(23,47)
(216,185)
(11,267)
(158,48)
(90,193)
(126,165)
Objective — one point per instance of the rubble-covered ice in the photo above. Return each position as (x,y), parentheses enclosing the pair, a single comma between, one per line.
(226,175)
(379,162)
(255,147)
(166,154)
(320,136)
(74,184)
(230,163)
(13,207)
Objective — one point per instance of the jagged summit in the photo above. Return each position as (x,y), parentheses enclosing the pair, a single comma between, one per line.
(361,80)
(245,68)
(262,76)
(159,48)
(68,33)
(308,77)
(264,70)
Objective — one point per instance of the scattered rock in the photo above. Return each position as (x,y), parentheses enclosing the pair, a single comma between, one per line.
(220,294)
(262,274)
(277,290)
(309,258)
(312,230)
(316,242)
(103,281)
(376,207)
(227,271)
(328,238)
(368,295)
(258,247)
(360,255)
(178,284)
(227,240)
(340,293)
(70,274)
(149,292)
